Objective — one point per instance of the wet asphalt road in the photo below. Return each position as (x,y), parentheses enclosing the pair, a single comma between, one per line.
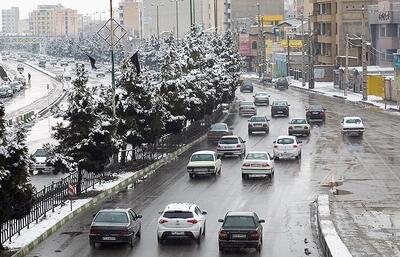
(284,202)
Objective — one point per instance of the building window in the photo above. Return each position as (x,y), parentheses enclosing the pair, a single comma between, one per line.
(383,30)
(254,45)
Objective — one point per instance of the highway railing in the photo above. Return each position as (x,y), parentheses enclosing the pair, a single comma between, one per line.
(56,194)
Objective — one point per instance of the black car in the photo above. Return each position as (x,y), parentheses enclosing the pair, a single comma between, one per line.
(115,226)
(315,113)
(240,230)
(280,108)
(247,85)
(282,83)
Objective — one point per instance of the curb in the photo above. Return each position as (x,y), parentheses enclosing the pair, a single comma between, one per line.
(123,184)
(307,89)
(332,245)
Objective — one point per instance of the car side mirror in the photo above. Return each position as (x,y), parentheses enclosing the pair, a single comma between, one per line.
(299,142)
(268,120)
(139,216)
(288,105)
(261,221)
(274,142)
(160,212)
(204,212)
(244,141)
(220,220)
(230,128)
(94,215)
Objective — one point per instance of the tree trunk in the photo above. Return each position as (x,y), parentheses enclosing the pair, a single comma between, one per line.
(79,183)
(123,155)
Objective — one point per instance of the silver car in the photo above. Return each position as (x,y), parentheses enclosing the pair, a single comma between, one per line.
(299,126)
(258,124)
(261,98)
(247,108)
(231,145)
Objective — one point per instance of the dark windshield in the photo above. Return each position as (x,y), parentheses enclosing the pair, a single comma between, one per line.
(285,141)
(239,222)
(112,217)
(202,157)
(219,127)
(353,121)
(298,121)
(257,119)
(178,214)
(257,156)
(246,103)
(315,107)
(281,103)
(40,153)
(228,141)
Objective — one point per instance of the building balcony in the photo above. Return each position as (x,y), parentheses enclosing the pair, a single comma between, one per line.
(325,39)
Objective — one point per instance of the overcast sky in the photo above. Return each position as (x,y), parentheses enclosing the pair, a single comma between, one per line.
(83,6)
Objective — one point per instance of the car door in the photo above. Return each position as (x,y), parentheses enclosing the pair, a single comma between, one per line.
(217,162)
(135,221)
(200,217)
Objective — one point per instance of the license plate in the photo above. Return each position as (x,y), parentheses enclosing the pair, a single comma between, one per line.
(109,238)
(238,236)
(257,125)
(256,165)
(177,233)
(279,111)
(315,113)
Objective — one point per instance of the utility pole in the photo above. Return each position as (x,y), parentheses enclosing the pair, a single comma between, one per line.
(288,54)
(191,12)
(158,24)
(310,56)
(215,16)
(364,58)
(346,71)
(177,20)
(303,68)
(112,59)
(259,42)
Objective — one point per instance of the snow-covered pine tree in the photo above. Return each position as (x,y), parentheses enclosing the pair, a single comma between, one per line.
(16,194)
(85,139)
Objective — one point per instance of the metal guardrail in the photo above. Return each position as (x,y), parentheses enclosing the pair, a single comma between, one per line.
(56,194)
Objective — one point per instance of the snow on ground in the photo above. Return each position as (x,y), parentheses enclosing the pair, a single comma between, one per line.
(35,230)
(328,89)
(40,133)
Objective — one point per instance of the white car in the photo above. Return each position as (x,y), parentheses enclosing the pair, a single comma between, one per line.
(181,220)
(204,163)
(261,98)
(258,163)
(287,147)
(231,145)
(299,126)
(352,126)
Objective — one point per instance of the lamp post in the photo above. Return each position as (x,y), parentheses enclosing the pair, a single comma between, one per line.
(158,19)
(177,17)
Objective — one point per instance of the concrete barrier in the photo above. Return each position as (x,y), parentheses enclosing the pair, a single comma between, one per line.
(331,244)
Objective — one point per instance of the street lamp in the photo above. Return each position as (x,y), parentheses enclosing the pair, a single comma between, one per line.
(158,18)
(177,17)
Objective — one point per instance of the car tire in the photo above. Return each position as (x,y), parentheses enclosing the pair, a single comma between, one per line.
(92,243)
(198,240)
(243,176)
(267,131)
(192,176)
(219,171)
(204,229)
(221,249)
(138,234)
(160,240)
(361,134)
(131,241)
(250,132)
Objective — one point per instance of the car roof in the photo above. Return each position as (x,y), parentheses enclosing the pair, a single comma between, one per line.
(280,102)
(299,118)
(265,152)
(262,92)
(258,116)
(351,117)
(179,207)
(231,136)
(280,137)
(221,123)
(241,102)
(115,210)
(240,213)
(204,152)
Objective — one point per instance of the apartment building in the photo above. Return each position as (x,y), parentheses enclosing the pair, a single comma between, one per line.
(10,20)
(216,14)
(129,16)
(332,20)
(384,21)
(54,21)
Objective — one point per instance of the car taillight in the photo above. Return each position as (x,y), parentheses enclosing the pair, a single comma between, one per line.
(294,146)
(254,235)
(219,146)
(246,164)
(305,127)
(162,221)
(265,165)
(322,113)
(275,146)
(193,221)
(94,231)
(290,127)
(308,113)
(223,234)
(238,145)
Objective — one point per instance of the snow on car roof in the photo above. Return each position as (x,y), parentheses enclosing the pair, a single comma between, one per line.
(351,117)
(280,137)
(179,206)
(204,152)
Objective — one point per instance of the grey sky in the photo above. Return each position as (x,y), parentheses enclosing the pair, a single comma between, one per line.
(83,6)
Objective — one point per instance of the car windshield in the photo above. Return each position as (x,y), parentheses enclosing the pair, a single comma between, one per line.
(178,214)
(285,141)
(281,103)
(261,94)
(228,140)
(40,153)
(246,103)
(247,83)
(315,107)
(298,121)
(257,156)
(219,127)
(202,158)
(353,121)
(239,222)
(112,217)
(257,119)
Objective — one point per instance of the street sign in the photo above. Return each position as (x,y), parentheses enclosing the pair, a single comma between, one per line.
(112,27)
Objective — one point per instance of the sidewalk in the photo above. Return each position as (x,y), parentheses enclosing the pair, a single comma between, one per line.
(327,88)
